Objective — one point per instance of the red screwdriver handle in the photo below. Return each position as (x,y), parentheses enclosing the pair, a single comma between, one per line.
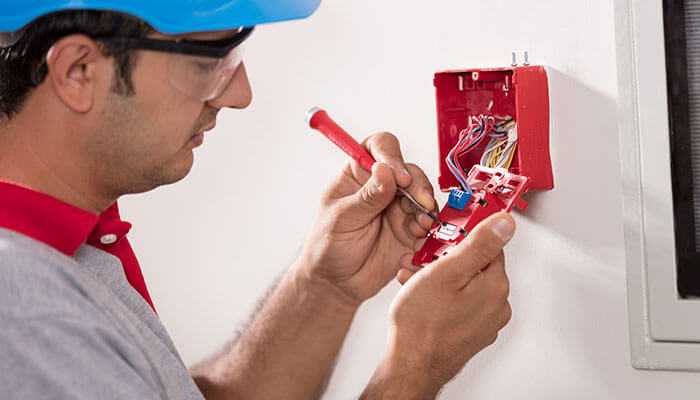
(322,122)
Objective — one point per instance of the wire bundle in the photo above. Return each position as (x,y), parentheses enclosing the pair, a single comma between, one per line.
(469,138)
(499,152)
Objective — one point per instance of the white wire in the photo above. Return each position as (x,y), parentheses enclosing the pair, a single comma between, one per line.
(509,141)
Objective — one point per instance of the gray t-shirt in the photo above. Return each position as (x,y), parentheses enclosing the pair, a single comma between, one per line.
(74,328)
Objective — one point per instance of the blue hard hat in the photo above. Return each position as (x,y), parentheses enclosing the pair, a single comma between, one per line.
(167,16)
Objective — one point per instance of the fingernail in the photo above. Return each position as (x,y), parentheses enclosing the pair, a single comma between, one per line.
(376,185)
(427,194)
(424,219)
(378,165)
(504,228)
(401,170)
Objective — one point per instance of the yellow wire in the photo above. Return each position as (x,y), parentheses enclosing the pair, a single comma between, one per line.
(498,150)
(510,156)
(495,154)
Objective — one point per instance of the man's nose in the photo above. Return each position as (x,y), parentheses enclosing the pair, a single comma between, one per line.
(238,93)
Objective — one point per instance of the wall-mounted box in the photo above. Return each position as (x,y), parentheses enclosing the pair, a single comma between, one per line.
(493,140)
(520,92)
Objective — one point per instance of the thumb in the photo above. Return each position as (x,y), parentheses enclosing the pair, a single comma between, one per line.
(483,245)
(372,198)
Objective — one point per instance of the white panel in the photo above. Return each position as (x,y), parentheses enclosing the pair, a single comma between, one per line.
(692,23)
(658,316)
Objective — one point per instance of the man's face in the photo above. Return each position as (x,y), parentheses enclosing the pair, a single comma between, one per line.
(146,140)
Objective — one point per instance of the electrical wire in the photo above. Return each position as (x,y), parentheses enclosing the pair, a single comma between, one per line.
(468,140)
(499,152)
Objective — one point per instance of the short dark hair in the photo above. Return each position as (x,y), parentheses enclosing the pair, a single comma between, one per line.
(22,65)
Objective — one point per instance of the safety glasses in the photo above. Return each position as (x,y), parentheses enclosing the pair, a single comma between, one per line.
(202,70)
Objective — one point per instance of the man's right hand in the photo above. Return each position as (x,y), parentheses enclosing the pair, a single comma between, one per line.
(445,314)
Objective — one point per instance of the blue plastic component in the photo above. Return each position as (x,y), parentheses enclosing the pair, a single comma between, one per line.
(458,199)
(168,16)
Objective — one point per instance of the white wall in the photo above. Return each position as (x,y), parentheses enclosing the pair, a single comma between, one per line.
(211,245)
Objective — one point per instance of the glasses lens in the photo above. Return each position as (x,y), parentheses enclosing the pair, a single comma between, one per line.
(203,78)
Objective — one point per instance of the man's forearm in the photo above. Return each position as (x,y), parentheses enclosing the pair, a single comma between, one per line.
(401,377)
(289,349)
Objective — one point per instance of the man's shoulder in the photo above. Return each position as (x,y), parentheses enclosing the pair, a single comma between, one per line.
(35,278)
(15,246)
(57,342)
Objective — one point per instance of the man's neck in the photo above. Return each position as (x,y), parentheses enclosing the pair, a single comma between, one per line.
(41,160)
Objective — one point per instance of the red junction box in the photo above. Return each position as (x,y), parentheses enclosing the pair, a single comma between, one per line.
(521,92)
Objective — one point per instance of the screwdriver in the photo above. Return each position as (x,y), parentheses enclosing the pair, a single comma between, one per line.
(319,120)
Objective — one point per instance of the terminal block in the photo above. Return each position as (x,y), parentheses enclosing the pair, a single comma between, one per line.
(493,190)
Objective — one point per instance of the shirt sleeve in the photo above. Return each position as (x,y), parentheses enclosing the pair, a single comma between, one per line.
(68,357)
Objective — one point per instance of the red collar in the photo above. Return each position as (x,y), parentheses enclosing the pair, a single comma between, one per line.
(66,227)
(49,220)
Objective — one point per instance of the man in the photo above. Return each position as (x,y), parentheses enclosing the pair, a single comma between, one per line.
(98,104)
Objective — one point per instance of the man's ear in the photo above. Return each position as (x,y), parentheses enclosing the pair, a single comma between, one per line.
(74,64)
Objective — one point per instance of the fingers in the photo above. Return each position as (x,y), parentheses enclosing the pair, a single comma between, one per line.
(344,185)
(405,263)
(404,275)
(483,245)
(494,279)
(425,222)
(491,287)
(407,269)
(422,219)
(385,148)
(420,188)
(415,228)
(505,315)
(494,287)
(371,199)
